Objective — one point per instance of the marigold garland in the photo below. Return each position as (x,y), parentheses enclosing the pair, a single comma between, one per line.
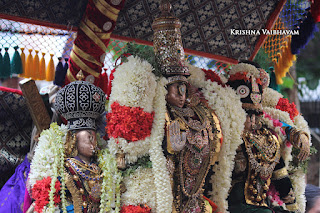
(130,123)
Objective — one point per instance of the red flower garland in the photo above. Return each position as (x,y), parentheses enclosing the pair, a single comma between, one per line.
(284,105)
(130,123)
(40,192)
(212,76)
(135,209)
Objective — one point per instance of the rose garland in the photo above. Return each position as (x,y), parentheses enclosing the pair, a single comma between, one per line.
(227,106)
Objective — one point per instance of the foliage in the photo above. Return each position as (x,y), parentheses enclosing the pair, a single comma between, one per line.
(142,51)
(302,164)
(141,162)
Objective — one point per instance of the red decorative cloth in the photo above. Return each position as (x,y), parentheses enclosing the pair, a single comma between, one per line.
(93,36)
(130,123)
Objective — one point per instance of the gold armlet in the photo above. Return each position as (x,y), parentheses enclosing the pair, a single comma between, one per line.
(279,174)
(292,207)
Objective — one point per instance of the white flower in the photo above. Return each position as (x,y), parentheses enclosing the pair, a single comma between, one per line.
(134,84)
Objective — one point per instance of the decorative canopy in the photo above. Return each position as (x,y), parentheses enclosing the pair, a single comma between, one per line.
(208,26)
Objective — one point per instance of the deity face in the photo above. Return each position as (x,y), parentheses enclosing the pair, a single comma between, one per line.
(176,94)
(86,144)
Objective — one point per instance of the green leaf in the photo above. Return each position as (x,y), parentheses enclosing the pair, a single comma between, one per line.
(287,82)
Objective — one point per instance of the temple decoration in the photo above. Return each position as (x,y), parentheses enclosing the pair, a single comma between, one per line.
(93,36)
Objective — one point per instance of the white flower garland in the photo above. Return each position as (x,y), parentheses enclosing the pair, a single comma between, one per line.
(228,108)
(140,188)
(270,97)
(110,187)
(133,150)
(45,154)
(242,67)
(161,174)
(134,84)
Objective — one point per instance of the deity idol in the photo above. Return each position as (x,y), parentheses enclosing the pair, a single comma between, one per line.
(260,172)
(192,146)
(64,172)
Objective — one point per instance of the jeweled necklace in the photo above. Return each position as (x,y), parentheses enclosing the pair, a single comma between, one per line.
(75,164)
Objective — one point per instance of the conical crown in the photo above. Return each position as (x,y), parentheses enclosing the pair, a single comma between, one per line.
(167,42)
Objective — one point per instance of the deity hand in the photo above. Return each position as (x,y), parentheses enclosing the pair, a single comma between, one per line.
(300,140)
(176,138)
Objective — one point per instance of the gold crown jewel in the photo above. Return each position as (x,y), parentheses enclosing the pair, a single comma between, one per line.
(167,42)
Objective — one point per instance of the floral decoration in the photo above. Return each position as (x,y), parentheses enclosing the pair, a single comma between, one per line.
(141,189)
(40,192)
(274,196)
(248,68)
(212,76)
(130,123)
(135,209)
(110,188)
(284,105)
(141,89)
(138,88)
(48,161)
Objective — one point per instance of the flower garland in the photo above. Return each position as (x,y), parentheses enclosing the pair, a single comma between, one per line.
(40,192)
(141,189)
(130,123)
(110,188)
(135,209)
(270,97)
(138,90)
(243,67)
(161,174)
(48,161)
(142,89)
(227,106)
